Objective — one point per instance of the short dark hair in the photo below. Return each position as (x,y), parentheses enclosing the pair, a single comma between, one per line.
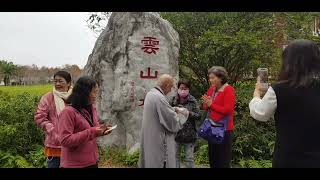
(79,97)
(185,82)
(64,74)
(300,63)
(220,72)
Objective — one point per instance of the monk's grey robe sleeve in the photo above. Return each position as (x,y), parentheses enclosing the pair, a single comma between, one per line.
(168,117)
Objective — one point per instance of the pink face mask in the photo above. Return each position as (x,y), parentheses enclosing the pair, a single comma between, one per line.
(183,93)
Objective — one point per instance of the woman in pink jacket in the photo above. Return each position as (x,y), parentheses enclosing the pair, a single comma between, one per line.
(46,116)
(79,127)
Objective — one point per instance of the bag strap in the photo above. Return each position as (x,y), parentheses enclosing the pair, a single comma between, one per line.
(226,122)
(85,117)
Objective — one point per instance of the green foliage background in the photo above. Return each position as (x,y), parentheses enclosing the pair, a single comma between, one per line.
(239,41)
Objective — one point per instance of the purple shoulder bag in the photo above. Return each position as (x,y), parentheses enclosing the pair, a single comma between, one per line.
(213,132)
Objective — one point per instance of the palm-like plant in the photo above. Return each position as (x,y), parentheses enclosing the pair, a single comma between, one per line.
(8,69)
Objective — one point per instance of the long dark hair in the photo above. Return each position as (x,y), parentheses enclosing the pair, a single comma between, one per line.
(79,97)
(300,63)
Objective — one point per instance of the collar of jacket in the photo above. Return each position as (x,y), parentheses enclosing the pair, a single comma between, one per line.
(190,98)
(157,87)
(222,87)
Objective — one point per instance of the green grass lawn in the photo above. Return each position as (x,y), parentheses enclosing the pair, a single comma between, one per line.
(32,89)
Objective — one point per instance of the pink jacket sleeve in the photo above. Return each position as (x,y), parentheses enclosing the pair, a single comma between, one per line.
(66,131)
(41,116)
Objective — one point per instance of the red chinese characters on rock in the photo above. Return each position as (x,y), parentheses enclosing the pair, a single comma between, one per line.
(149,76)
(132,91)
(150,45)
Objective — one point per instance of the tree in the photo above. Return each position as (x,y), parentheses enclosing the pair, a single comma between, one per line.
(98,21)
(74,70)
(239,41)
(8,69)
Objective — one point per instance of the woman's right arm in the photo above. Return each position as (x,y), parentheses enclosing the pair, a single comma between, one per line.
(263,109)
(205,107)
(41,116)
(66,131)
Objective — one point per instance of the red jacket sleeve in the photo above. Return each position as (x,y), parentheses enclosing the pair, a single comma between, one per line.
(228,104)
(66,131)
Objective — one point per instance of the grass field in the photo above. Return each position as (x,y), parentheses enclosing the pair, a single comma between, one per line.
(32,89)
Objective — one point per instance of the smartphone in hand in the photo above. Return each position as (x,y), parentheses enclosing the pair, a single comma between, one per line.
(263,74)
(109,129)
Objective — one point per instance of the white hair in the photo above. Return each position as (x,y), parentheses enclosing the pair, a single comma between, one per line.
(164,80)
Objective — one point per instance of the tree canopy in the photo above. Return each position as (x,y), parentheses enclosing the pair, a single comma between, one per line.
(239,41)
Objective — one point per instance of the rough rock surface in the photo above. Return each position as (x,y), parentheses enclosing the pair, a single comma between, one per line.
(128,57)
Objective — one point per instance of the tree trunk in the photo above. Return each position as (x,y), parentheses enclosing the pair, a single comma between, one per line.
(6,80)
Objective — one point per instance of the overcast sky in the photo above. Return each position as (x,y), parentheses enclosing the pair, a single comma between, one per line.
(45,38)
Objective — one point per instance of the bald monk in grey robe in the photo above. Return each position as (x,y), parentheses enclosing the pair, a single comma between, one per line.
(159,125)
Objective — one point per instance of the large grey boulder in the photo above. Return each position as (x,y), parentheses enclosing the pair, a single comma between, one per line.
(128,57)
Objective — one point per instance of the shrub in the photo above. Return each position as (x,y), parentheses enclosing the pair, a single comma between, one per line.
(119,156)
(251,139)
(201,156)
(18,132)
(7,160)
(251,163)
(37,158)
(132,159)
(20,138)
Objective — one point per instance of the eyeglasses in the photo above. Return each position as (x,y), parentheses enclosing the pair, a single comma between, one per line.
(59,81)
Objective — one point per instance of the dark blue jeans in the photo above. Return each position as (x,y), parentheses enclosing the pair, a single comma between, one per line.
(53,162)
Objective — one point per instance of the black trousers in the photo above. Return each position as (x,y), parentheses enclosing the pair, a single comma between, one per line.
(220,154)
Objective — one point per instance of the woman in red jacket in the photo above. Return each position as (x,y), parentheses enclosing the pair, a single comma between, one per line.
(221,105)
(78,127)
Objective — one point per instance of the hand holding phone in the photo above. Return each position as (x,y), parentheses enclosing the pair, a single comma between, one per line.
(263,77)
(109,130)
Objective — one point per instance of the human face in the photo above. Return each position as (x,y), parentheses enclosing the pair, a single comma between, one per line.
(214,80)
(183,91)
(61,84)
(93,95)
